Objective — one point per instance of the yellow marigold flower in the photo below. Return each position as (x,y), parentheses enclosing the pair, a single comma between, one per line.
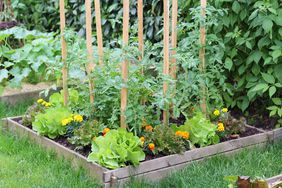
(65,121)
(216,112)
(142,139)
(78,118)
(151,146)
(220,127)
(40,100)
(47,104)
(44,103)
(149,128)
(105,131)
(224,110)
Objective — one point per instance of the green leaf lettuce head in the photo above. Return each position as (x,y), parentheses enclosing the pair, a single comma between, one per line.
(49,123)
(116,148)
(202,131)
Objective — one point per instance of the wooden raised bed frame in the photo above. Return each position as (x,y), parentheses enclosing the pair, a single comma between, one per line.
(154,169)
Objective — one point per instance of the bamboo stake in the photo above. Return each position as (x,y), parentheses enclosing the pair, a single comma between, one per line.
(140,29)
(64,51)
(173,70)
(90,65)
(174,37)
(99,31)
(202,55)
(166,56)
(124,66)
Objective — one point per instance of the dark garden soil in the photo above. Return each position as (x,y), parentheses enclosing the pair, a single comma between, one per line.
(258,116)
(87,150)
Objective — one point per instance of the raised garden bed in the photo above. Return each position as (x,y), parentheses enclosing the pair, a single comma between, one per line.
(27,92)
(153,169)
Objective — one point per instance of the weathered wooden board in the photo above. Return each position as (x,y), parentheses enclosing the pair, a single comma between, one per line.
(15,98)
(151,170)
(23,96)
(161,173)
(273,180)
(277,135)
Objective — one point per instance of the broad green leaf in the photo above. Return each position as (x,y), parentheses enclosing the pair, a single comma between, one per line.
(277,53)
(236,7)
(267,25)
(277,101)
(272,91)
(3,74)
(260,87)
(228,63)
(268,78)
(279,112)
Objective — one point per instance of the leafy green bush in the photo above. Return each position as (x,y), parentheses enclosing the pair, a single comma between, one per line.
(49,123)
(25,55)
(85,134)
(116,148)
(202,131)
(165,140)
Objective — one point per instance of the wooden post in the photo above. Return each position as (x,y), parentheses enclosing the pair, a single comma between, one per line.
(99,31)
(174,37)
(166,57)
(90,65)
(140,29)
(64,51)
(124,66)
(202,55)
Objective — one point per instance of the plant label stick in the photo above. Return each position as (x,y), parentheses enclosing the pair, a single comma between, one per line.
(99,31)
(90,65)
(202,55)
(64,51)
(124,65)
(166,57)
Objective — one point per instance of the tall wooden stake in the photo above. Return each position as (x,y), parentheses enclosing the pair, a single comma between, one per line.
(174,37)
(124,66)
(202,55)
(99,30)
(64,51)
(173,70)
(90,66)
(166,57)
(140,29)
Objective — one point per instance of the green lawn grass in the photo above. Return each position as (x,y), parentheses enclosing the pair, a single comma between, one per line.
(23,164)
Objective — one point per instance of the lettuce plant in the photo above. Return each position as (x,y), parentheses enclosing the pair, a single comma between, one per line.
(116,148)
(49,123)
(202,131)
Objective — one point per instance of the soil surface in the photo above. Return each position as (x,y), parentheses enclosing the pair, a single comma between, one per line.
(258,117)
(26,87)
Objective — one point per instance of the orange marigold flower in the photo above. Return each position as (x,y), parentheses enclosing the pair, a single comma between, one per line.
(185,135)
(149,128)
(105,131)
(151,146)
(178,133)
